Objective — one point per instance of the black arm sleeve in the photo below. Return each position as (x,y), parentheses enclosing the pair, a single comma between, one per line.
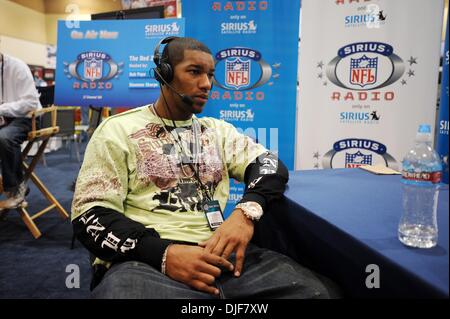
(113,237)
(265,180)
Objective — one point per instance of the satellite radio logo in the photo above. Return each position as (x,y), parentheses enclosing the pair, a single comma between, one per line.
(359,117)
(238,27)
(443,127)
(93,70)
(370,16)
(366,71)
(365,66)
(241,69)
(234,116)
(354,152)
(162,30)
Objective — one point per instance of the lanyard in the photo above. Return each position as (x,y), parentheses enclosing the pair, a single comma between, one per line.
(196,151)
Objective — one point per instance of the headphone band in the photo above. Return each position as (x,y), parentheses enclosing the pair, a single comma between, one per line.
(157,55)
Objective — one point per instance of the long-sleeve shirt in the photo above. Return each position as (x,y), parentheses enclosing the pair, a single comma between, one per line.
(134,197)
(20,94)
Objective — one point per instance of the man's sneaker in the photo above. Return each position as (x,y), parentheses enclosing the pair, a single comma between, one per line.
(14,199)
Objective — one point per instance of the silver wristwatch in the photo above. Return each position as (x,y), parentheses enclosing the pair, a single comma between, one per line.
(252,210)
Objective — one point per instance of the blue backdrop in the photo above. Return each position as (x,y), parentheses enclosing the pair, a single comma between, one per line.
(107,63)
(255,44)
(443,124)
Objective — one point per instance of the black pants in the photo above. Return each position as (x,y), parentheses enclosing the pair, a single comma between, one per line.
(12,135)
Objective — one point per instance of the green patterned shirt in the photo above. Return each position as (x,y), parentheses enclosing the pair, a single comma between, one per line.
(133,166)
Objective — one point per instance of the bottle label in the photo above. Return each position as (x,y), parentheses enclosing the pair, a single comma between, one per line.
(433,177)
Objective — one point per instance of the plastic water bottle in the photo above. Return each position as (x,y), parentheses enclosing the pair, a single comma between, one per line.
(421,175)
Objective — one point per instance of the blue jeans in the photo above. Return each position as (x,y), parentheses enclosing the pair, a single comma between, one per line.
(11,138)
(266,274)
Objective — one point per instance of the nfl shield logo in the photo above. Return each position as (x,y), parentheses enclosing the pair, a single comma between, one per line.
(363,71)
(357,159)
(237,73)
(93,69)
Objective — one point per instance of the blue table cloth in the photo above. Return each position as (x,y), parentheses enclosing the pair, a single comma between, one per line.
(340,221)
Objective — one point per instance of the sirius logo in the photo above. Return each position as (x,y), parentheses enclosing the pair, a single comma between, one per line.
(358,19)
(157,30)
(236,67)
(238,52)
(359,143)
(443,127)
(234,116)
(93,70)
(362,20)
(354,152)
(234,197)
(354,116)
(359,117)
(238,27)
(373,17)
(365,66)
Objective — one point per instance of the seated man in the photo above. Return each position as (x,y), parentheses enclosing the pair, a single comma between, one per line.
(154,180)
(18,98)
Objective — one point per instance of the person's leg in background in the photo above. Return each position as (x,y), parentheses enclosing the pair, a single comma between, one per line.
(11,138)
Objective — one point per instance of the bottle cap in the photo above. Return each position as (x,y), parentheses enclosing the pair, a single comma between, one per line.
(424,133)
(424,128)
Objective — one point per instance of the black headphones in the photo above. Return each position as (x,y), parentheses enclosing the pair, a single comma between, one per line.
(163,71)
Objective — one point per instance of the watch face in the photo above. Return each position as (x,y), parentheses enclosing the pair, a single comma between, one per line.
(251,210)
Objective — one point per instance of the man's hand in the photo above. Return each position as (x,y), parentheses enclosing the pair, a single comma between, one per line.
(232,236)
(195,267)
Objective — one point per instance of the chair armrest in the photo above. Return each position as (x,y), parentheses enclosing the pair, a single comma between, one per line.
(44,131)
(43,110)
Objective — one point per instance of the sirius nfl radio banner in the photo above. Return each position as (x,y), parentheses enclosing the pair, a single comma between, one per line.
(255,46)
(368,77)
(442,138)
(107,63)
